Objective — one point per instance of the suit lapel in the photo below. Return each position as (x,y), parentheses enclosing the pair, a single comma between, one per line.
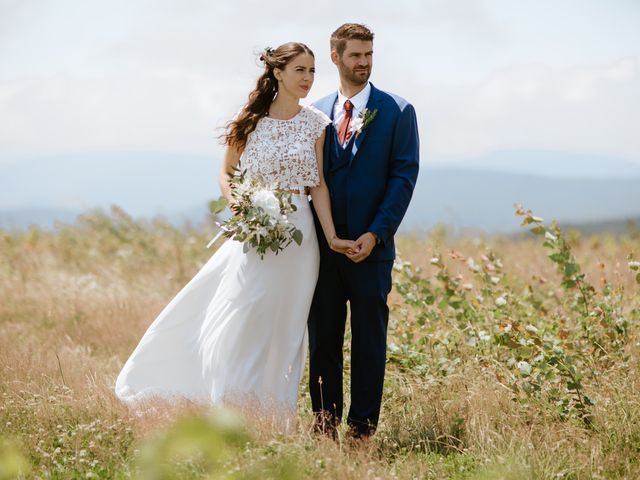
(374,102)
(326,105)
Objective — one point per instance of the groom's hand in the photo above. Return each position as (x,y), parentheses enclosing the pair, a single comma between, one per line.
(342,246)
(363,246)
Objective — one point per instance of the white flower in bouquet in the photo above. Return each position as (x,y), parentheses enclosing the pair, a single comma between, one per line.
(267,200)
(259,216)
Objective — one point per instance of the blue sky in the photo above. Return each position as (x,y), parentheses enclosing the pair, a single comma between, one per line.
(163,75)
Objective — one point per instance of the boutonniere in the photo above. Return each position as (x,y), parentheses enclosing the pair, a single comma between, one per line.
(363,120)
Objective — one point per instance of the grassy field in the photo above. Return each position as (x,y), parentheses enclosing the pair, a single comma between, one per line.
(509,357)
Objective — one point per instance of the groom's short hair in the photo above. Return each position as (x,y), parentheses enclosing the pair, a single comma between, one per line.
(349,31)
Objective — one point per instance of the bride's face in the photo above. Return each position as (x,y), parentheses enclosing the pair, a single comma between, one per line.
(297,76)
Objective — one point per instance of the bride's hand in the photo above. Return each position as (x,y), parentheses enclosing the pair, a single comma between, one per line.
(342,246)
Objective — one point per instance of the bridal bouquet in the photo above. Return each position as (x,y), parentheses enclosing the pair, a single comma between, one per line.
(259,216)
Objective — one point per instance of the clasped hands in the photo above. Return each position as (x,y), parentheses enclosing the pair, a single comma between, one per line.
(356,250)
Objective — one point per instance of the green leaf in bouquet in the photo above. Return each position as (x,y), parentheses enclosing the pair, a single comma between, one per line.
(218,206)
(297,237)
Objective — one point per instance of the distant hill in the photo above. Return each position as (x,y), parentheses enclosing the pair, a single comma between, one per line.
(21,219)
(546,163)
(41,190)
(484,199)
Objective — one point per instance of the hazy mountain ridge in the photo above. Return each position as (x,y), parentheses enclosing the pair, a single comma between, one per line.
(42,190)
(547,163)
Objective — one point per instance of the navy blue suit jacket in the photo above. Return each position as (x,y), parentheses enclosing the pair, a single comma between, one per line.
(383,172)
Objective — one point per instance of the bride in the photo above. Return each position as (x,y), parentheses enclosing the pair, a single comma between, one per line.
(236,333)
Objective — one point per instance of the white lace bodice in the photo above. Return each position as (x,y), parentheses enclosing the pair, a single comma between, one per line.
(282,152)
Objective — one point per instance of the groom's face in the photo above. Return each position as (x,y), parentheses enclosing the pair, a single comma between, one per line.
(354,65)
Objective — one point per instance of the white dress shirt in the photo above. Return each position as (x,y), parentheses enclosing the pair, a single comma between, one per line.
(359,101)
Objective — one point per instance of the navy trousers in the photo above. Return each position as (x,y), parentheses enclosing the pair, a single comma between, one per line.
(365,286)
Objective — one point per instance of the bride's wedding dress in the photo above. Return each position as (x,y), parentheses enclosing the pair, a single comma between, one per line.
(236,332)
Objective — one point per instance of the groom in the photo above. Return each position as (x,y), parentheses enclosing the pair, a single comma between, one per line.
(371,166)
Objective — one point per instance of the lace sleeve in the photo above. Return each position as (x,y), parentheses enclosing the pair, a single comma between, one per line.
(319,122)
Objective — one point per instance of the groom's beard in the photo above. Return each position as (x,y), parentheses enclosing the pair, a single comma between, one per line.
(357,76)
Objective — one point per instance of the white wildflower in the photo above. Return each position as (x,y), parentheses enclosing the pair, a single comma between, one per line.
(531,328)
(524,367)
(550,236)
(472,264)
(434,260)
(508,327)
(484,336)
(500,301)
(495,280)
(634,264)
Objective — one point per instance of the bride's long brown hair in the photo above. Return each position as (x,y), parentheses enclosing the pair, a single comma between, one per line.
(238,129)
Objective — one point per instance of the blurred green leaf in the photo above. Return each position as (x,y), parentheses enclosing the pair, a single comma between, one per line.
(218,206)
(12,463)
(297,236)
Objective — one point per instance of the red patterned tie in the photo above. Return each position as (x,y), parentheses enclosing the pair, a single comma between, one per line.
(344,130)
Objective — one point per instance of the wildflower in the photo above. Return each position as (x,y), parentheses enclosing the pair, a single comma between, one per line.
(634,264)
(472,264)
(550,236)
(531,328)
(494,280)
(524,367)
(484,336)
(500,301)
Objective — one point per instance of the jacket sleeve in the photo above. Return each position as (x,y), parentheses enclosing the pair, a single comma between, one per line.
(403,173)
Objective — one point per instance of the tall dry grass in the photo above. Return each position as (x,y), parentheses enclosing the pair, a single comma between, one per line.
(75,301)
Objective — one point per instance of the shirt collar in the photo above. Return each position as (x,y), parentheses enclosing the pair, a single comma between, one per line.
(359,100)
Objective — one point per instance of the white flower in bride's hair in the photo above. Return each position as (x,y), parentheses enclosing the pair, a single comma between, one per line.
(267,200)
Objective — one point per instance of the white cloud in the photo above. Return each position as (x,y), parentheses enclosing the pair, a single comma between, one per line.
(163,74)
(584,108)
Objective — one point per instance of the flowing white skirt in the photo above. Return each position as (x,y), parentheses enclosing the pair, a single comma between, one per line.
(237,332)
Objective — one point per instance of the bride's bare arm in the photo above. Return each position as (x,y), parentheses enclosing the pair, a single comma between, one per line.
(230,161)
(322,205)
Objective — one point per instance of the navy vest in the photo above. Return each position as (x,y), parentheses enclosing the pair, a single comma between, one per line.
(338,178)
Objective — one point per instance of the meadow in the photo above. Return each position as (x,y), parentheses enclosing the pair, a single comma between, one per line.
(510,357)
